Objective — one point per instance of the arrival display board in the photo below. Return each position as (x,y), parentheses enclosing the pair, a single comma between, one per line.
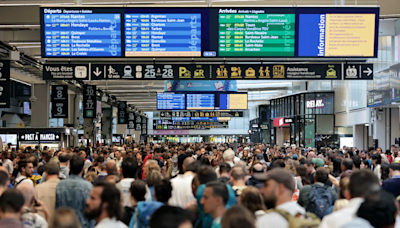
(80,32)
(72,32)
(256,33)
(188,114)
(5,84)
(280,71)
(200,101)
(59,101)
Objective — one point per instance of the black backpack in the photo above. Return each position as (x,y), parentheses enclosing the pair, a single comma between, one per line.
(321,202)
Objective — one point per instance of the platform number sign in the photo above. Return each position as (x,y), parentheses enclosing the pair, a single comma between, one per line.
(89,101)
(59,101)
(122,112)
(131,120)
(5,84)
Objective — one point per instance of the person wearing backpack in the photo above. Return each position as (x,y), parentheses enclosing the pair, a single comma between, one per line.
(277,192)
(318,198)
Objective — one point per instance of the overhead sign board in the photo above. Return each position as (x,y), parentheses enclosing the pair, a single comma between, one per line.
(89,101)
(71,32)
(131,120)
(122,113)
(217,72)
(5,84)
(187,114)
(59,101)
(66,72)
(36,136)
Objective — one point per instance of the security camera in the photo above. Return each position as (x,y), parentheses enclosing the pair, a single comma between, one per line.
(33,99)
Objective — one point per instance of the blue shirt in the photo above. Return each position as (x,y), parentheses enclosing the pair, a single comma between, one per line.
(73,192)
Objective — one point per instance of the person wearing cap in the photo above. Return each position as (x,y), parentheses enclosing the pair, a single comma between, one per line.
(277,192)
(260,158)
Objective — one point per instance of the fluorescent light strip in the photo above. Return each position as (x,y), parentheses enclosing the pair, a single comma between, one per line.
(25,83)
(19,26)
(22,47)
(23,43)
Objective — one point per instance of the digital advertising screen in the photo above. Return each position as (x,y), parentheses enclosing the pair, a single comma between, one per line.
(170,101)
(256,33)
(200,101)
(73,32)
(233,101)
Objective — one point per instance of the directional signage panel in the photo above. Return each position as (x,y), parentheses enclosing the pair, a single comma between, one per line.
(278,71)
(149,71)
(59,101)
(122,113)
(66,71)
(89,101)
(358,71)
(5,84)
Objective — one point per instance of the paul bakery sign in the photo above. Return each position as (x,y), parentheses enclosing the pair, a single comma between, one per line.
(40,137)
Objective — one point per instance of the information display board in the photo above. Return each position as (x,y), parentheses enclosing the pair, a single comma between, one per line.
(170,101)
(338,32)
(256,33)
(89,101)
(200,101)
(165,34)
(59,101)
(79,32)
(233,101)
(209,32)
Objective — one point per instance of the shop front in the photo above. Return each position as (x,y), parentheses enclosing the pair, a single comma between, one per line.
(303,119)
(53,138)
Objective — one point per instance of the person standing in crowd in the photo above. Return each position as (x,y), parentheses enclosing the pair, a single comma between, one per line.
(182,184)
(376,160)
(379,210)
(277,193)
(171,217)
(318,198)
(237,217)
(214,200)
(73,191)
(224,173)
(46,192)
(256,172)
(392,185)
(4,180)
(238,179)
(252,199)
(128,172)
(7,163)
(31,219)
(25,169)
(11,207)
(118,159)
(138,192)
(361,182)
(310,170)
(104,206)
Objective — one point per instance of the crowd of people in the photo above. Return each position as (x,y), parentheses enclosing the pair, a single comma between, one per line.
(201,185)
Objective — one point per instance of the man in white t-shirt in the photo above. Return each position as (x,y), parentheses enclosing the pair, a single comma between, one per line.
(182,185)
(128,172)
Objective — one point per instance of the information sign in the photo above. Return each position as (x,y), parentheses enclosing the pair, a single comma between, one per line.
(89,101)
(122,112)
(59,101)
(200,101)
(5,84)
(131,120)
(233,101)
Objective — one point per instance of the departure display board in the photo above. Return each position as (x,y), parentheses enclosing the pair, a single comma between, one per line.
(200,101)
(163,35)
(233,101)
(170,101)
(80,33)
(242,33)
